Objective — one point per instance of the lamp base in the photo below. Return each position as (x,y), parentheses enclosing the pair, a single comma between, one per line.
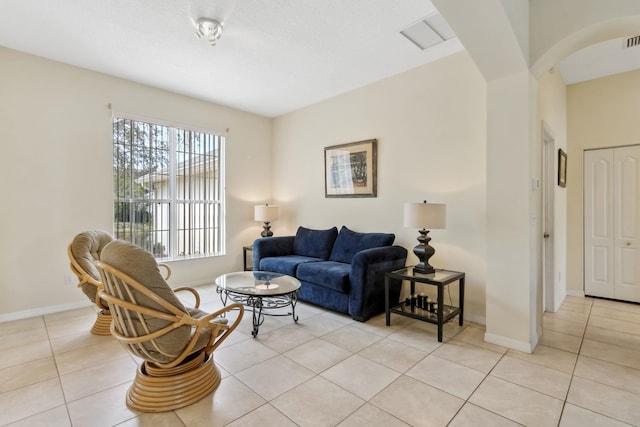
(423,269)
(424,251)
(266,232)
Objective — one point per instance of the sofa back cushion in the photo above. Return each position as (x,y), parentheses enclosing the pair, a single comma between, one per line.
(351,242)
(314,243)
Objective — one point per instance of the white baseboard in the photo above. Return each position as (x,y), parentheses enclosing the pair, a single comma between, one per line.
(195,284)
(481,320)
(25,314)
(524,346)
(42,311)
(573,293)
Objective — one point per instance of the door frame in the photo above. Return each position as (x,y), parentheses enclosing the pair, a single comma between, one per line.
(548,219)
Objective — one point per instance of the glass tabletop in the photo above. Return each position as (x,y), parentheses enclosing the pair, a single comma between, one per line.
(437,276)
(258,283)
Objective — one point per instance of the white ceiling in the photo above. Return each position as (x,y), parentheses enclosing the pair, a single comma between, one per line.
(274,56)
(599,60)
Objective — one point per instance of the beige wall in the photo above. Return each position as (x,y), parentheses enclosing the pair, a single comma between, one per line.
(55,123)
(55,128)
(430,123)
(601,113)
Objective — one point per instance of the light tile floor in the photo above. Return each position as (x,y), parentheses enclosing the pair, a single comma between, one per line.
(328,370)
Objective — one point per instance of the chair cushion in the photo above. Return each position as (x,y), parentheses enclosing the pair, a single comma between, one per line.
(86,247)
(329,274)
(196,313)
(314,243)
(203,339)
(348,243)
(141,266)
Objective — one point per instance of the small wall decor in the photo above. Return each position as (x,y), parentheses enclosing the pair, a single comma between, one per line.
(350,169)
(562,168)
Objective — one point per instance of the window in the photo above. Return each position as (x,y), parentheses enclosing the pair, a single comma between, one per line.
(168,189)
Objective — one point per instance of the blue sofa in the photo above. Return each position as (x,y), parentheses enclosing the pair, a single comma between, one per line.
(339,271)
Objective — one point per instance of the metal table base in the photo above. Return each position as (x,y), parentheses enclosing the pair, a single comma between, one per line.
(258,303)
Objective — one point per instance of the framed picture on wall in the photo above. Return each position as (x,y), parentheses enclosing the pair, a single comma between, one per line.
(562,168)
(350,169)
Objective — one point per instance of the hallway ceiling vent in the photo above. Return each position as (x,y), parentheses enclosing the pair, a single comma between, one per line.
(632,41)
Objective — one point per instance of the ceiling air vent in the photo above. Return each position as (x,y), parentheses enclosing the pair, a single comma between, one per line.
(632,41)
(429,31)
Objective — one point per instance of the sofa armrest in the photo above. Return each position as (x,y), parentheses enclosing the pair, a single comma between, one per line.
(271,246)
(368,267)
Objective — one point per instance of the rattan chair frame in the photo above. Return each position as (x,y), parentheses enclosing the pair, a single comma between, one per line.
(102,325)
(85,278)
(118,292)
(160,385)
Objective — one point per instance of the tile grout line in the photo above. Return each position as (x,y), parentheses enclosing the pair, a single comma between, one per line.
(55,362)
(467,401)
(447,340)
(564,403)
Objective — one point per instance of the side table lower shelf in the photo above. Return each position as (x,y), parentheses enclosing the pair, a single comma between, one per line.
(448,313)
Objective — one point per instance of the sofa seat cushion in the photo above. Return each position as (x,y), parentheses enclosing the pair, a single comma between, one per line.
(330,274)
(286,264)
(314,243)
(348,243)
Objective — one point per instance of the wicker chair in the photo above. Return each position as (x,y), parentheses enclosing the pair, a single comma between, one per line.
(175,343)
(84,250)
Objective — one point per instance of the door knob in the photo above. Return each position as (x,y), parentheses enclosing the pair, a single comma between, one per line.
(546,235)
(628,243)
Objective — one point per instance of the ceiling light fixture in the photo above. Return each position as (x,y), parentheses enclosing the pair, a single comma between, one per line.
(209,29)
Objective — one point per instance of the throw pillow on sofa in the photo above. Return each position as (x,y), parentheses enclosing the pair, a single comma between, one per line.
(348,243)
(314,243)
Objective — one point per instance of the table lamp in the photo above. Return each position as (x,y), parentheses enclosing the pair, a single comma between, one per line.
(424,216)
(266,214)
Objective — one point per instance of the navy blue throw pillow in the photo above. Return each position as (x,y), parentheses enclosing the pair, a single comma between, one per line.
(314,243)
(351,242)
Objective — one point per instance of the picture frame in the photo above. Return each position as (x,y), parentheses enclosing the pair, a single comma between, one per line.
(562,168)
(350,170)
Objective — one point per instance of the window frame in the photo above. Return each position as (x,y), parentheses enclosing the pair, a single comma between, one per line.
(218,228)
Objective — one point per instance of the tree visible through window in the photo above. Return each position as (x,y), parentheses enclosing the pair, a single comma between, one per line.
(168,189)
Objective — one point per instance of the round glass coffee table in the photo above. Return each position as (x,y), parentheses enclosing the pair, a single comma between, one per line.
(260,290)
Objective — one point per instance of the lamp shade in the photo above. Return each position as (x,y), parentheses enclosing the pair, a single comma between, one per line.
(266,213)
(425,215)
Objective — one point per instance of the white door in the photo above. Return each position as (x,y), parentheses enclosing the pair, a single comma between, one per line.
(598,223)
(627,223)
(612,223)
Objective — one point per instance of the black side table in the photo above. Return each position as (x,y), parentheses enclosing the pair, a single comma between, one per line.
(246,249)
(442,313)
